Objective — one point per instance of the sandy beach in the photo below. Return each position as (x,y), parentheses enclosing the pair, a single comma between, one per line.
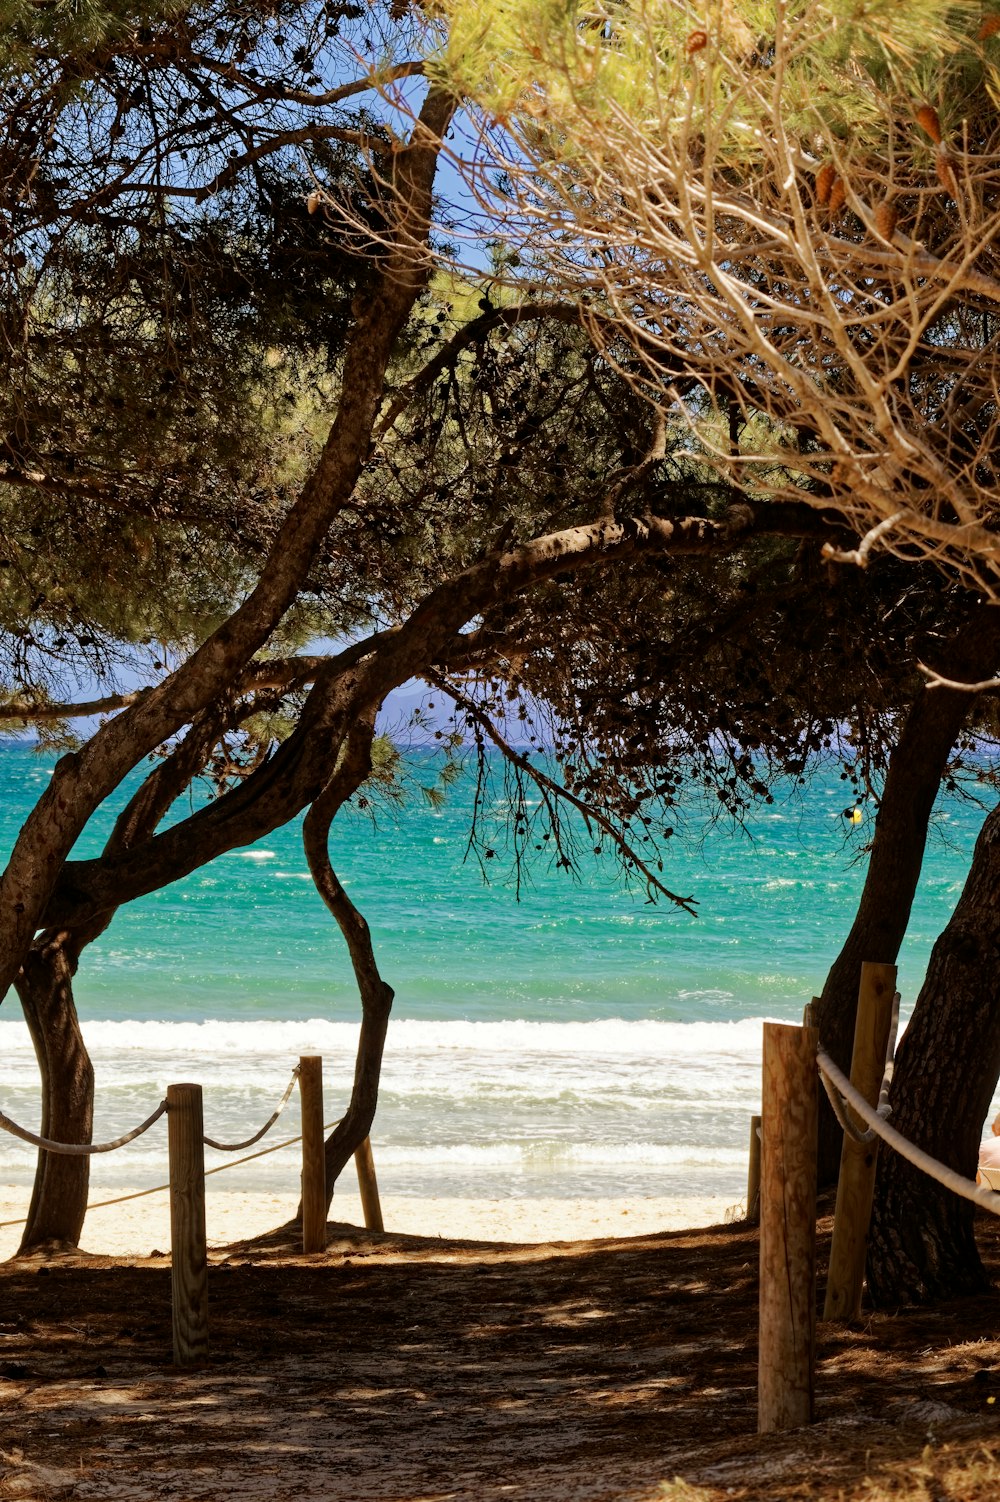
(400,1369)
(141,1226)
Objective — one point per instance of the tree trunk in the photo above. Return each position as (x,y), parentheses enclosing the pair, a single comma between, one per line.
(59,1201)
(45,986)
(376,996)
(916,767)
(922,1245)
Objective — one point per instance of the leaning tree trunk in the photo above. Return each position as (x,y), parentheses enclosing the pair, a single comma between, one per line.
(376,996)
(59,1201)
(922,1245)
(916,766)
(45,987)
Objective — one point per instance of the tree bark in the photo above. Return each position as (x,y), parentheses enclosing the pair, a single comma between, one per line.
(45,986)
(376,995)
(59,1199)
(921,1246)
(916,766)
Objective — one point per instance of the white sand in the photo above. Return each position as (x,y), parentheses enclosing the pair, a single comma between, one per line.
(143,1225)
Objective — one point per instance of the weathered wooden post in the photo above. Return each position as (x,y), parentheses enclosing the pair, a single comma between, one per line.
(188,1249)
(753,1173)
(368,1187)
(856,1184)
(787,1354)
(313,1153)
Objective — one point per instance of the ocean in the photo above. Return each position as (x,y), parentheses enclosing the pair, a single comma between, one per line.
(573,1043)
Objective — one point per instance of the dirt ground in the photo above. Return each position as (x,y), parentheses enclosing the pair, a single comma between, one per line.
(401,1368)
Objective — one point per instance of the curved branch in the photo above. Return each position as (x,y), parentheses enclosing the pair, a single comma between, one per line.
(376,995)
(274,793)
(938,680)
(371,82)
(363,674)
(498,576)
(28,712)
(364,140)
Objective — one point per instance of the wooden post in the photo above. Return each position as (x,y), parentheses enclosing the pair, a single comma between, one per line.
(313,1153)
(365,1164)
(856,1184)
(753,1173)
(787,1355)
(188,1250)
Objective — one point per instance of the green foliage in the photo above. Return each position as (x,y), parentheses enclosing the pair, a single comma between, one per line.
(659,64)
(73,28)
(167,369)
(173,371)
(391,781)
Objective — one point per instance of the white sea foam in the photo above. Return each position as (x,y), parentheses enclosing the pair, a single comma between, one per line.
(549,1155)
(609,1037)
(566,1108)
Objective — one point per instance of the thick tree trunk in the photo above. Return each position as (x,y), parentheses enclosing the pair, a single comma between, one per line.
(922,1246)
(916,767)
(45,986)
(59,1201)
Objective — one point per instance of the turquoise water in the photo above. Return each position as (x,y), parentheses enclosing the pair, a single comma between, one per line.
(575,1042)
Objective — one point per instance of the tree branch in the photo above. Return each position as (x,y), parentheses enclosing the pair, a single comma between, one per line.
(376,995)
(544,781)
(81,781)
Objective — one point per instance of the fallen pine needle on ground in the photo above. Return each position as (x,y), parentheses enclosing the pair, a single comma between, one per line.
(411,1369)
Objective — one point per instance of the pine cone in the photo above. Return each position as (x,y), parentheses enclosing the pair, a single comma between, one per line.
(886,219)
(927,116)
(945,169)
(825,179)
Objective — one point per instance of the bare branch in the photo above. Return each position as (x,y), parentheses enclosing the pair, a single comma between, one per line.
(371,82)
(937,680)
(715,214)
(558,790)
(28,712)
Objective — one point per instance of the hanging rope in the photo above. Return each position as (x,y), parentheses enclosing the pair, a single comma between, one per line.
(138,1194)
(237,1147)
(863,1138)
(890,1060)
(940,1172)
(80,1149)
(840,1111)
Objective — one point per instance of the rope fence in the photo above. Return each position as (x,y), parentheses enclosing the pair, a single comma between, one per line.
(80,1149)
(238,1147)
(87,1149)
(187,1140)
(968,1189)
(138,1194)
(793,1065)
